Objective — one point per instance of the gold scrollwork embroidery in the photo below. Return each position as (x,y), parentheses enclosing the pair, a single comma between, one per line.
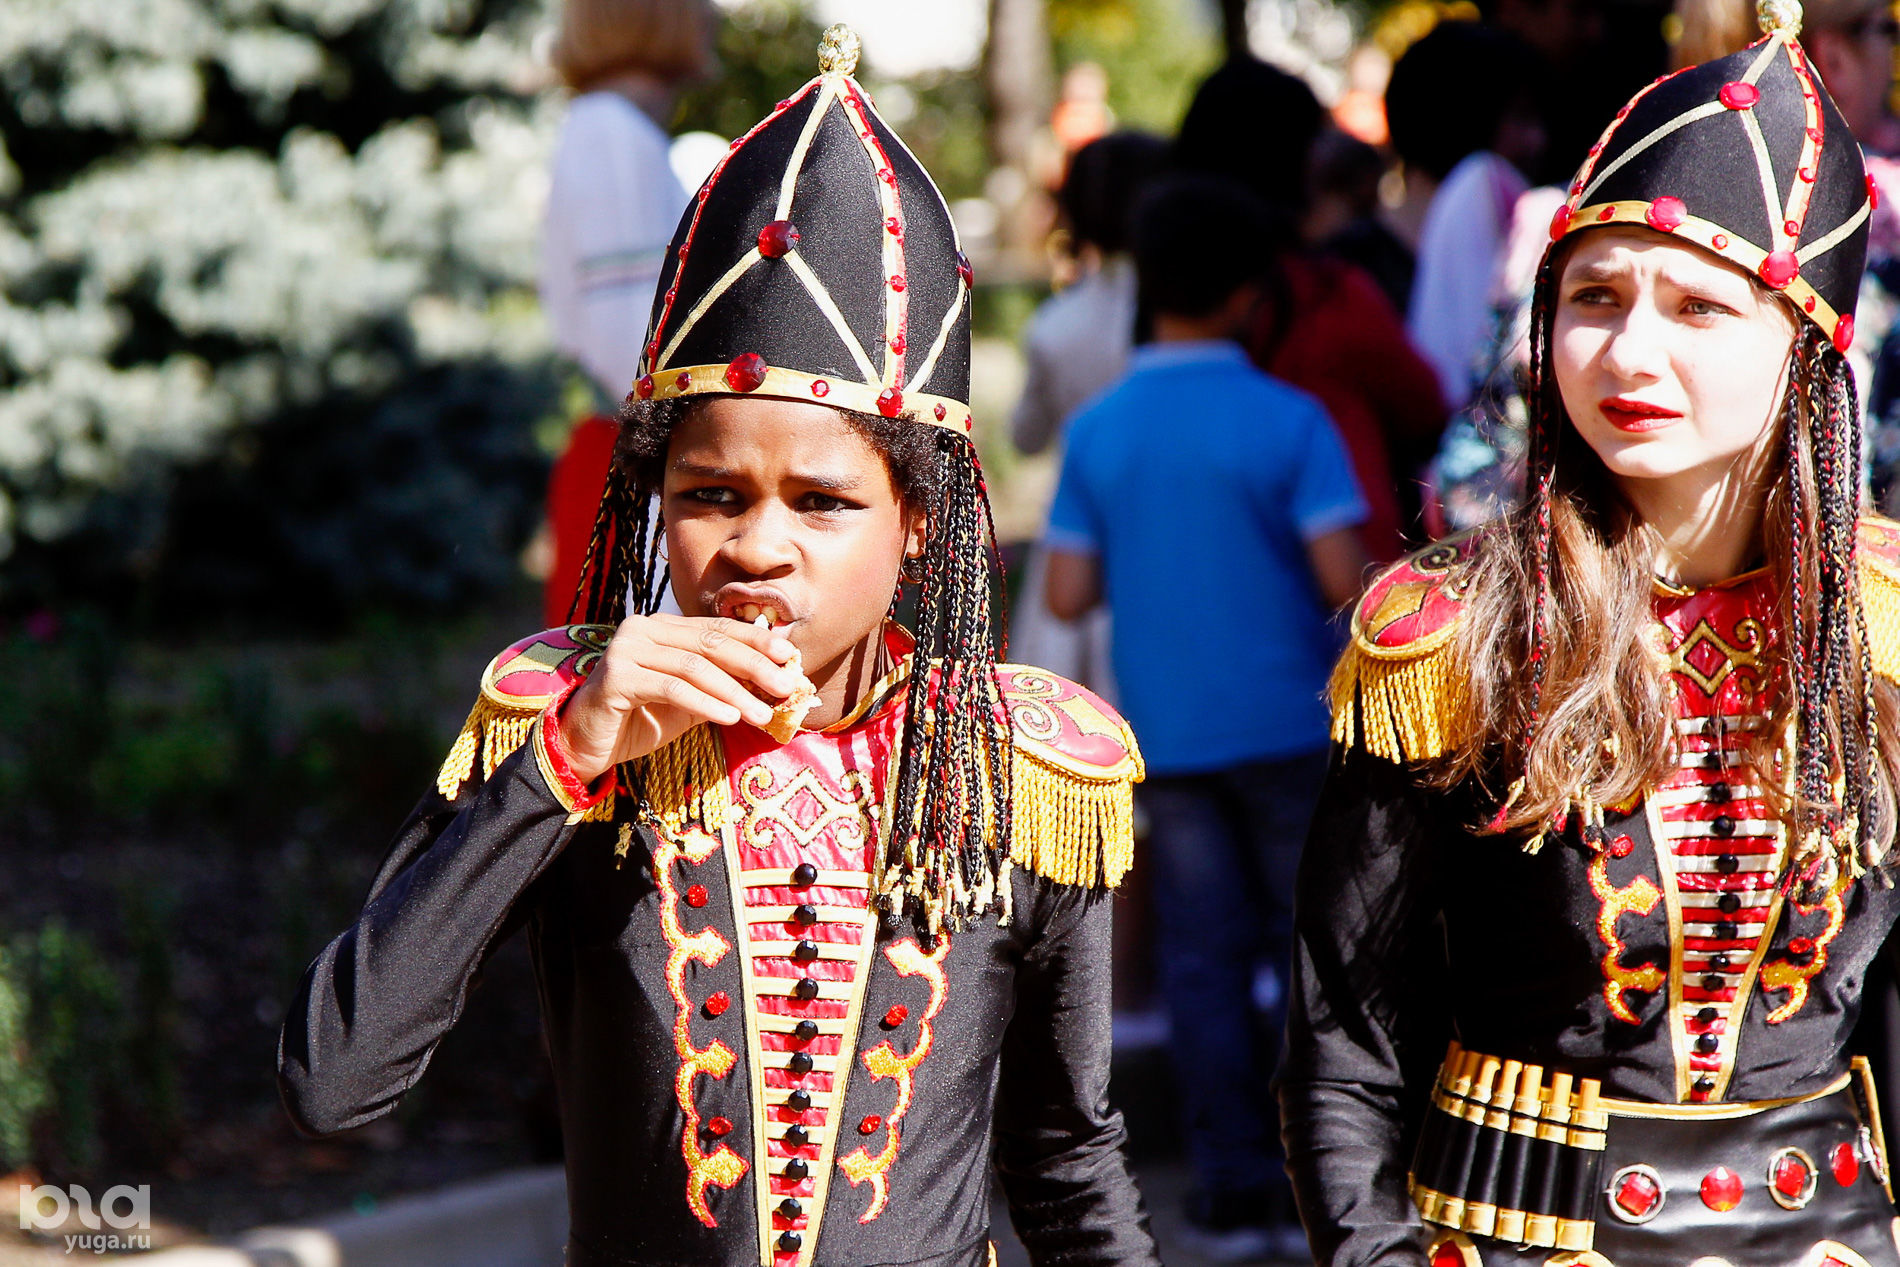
(1638,897)
(1784,974)
(721,1167)
(883,1061)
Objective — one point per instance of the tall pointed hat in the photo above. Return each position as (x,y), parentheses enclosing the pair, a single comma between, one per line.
(1745,156)
(818,262)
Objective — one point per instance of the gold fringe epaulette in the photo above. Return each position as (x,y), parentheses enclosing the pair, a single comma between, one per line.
(1074,768)
(1396,692)
(1879,550)
(516,687)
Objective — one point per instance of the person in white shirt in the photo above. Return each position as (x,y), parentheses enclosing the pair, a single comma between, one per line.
(613,202)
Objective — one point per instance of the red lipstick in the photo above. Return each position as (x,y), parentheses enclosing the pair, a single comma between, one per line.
(1636,416)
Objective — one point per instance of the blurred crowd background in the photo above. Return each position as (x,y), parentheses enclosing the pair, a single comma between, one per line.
(283,377)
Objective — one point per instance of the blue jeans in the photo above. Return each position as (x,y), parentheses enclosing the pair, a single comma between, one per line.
(1223,850)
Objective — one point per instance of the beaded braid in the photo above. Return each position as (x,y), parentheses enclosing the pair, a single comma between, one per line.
(1546,413)
(1833,634)
(953,781)
(946,861)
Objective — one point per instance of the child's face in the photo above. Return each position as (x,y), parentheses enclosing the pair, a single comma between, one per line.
(784,507)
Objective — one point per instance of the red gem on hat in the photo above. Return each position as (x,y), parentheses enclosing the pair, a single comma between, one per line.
(1606,213)
(1844,332)
(1791,1175)
(643,386)
(1801,946)
(776,238)
(890,402)
(696,896)
(746,372)
(1666,213)
(1791,228)
(897,282)
(717,1003)
(1621,846)
(1873,195)
(894,227)
(1780,268)
(1845,1164)
(1637,1193)
(1719,241)
(1721,1189)
(1809,305)
(896,1016)
(870,1124)
(1560,223)
(1447,1254)
(819,387)
(940,411)
(897,344)
(718,1126)
(1737,95)
(683,380)
(964,270)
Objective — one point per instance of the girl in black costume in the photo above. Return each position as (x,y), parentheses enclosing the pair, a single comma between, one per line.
(1612,807)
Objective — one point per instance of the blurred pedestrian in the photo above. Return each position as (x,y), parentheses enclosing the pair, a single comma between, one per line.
(1076,345)
(612,204)
(1320,324)
(1461,109)
(1213,508)
(1346,218)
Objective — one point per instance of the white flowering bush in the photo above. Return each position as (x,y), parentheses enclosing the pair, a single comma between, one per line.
(265,268)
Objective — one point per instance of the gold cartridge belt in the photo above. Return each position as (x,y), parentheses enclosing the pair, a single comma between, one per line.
(1508,1153)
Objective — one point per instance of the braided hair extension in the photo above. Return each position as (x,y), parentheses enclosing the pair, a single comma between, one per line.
(951,806)
(1834,780)
(1540,477)
(953,781)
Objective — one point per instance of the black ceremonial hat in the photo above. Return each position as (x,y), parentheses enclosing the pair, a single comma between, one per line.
(818,262)
(1748,157)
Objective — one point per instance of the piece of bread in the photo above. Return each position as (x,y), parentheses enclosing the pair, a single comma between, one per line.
(789,714)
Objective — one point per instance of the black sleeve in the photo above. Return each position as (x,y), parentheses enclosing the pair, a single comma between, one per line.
(372,1007)
(1059,1144)
(1362,1023)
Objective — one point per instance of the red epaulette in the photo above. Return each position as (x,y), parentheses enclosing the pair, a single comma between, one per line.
(1394,693)
(1878,545)
(516,686)
(1076,762)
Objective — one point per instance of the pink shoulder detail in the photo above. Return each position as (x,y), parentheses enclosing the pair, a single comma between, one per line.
(1414,605)
(1060,723)
(537,669)
(1879,540)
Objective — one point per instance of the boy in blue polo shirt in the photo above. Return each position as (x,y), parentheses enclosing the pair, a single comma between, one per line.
(1213,507)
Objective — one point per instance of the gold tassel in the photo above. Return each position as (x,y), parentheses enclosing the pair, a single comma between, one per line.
(496,732)
(1880,599)
(492,731)
(1409,709)
(1071,829)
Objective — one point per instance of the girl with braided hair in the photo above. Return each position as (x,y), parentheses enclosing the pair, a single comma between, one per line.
(1612,808)
(819,904)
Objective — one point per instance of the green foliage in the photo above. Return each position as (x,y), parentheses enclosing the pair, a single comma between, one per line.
(1155,52)
(767,48)
(256,261)
(69,1056)
(23,1089)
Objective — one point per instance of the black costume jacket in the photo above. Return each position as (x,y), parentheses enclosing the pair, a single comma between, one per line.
(752,1069)
(1668,965)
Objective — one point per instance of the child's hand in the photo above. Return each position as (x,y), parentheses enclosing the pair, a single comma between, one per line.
(662,675)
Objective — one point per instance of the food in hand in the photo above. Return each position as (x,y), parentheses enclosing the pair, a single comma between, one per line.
(788,714)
